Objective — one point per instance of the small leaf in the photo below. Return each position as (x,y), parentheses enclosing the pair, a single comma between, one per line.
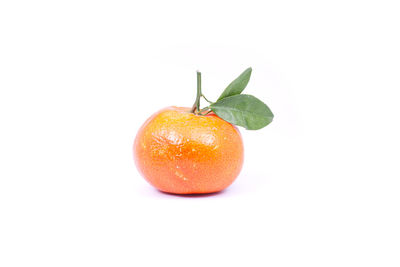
(238,85)
(243,110)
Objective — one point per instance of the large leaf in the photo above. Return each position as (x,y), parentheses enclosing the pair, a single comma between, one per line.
(238,85)
(243,110)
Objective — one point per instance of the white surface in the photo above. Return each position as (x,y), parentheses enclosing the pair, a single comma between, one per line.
(320,185)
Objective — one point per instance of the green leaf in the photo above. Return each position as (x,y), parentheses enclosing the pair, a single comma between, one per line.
(238,85)
(243,110)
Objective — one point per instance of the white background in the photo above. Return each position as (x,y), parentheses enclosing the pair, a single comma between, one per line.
(320,185)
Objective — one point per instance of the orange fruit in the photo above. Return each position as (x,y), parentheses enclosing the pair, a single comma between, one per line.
(197,150)
(181,152)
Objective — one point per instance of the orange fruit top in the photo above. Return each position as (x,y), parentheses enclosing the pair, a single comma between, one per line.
(183,153)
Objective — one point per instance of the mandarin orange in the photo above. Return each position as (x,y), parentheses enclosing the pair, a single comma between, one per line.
(181,152)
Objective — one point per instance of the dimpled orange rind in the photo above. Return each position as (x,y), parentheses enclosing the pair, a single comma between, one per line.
(182,153)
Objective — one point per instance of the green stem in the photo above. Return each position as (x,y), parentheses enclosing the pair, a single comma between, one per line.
(201,111)
(210,102)
(204,109)
(196,105)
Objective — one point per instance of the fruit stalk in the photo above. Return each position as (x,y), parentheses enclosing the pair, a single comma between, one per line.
(196,105)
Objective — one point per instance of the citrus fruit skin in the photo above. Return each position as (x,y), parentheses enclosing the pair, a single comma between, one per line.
(183,153)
